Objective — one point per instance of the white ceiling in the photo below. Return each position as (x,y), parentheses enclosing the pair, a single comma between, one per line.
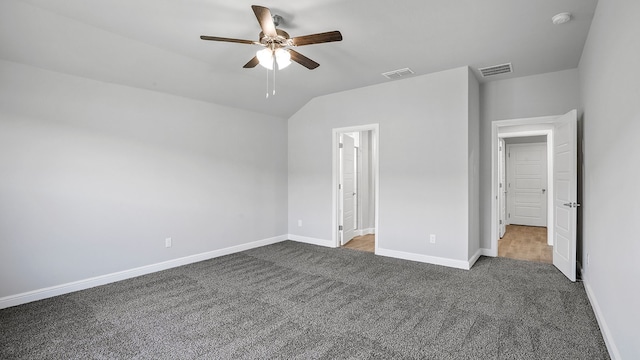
(154,44)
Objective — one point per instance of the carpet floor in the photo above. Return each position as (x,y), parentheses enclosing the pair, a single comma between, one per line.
(299,301)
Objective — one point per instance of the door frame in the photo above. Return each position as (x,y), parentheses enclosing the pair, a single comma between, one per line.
(501,129)
(375,129)
(502,181)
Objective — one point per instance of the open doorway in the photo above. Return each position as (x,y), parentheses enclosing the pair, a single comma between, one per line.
(561,134)
(524,169)
(355,187)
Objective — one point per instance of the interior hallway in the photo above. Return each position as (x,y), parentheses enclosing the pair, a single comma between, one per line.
(526,243)
(519,242)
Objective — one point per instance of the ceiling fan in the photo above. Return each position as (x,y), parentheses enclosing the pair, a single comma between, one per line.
(278,44)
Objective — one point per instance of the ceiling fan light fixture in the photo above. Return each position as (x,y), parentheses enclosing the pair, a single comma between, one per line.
(283,58)
(265,57)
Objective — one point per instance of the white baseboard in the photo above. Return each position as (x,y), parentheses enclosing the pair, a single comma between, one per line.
(312,241)
(476,256)
(614,353)
(361,232)
(23,298)
(489,252)
(458,264)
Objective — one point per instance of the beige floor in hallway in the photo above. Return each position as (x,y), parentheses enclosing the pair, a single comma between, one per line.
(362,243)
(525,243)
(519,242)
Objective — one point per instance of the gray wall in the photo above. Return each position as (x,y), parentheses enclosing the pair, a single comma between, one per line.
(531,96)
(474,164)
(423,161)
(94,176)
(610,95)
(365,182)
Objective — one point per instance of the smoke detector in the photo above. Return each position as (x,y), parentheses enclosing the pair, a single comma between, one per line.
(561,18)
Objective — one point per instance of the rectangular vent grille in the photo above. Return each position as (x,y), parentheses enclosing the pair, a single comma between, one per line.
(397,74)
(496,70)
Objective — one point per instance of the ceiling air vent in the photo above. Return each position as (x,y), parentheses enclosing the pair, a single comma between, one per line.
(496,70)
(397,74)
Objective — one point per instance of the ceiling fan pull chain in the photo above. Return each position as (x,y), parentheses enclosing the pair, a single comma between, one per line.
(267,93)
(274,75)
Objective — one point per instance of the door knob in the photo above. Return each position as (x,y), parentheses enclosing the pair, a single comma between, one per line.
(571,205)
(544,190)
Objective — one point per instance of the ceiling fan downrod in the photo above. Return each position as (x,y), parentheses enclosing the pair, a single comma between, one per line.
(277,20)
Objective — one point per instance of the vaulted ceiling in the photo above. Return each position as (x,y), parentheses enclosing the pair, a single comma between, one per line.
(155,44)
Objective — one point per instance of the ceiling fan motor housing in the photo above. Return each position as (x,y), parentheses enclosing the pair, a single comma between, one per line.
(281,40)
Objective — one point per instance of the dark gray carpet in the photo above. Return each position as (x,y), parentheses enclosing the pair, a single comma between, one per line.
(292,300)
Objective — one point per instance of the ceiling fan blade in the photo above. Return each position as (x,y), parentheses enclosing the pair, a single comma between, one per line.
(252,63)
(317,38)
(303,60)
(216,38)
(263,15)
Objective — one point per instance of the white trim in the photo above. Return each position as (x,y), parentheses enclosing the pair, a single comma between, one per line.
(312,241)
(476,256)
(614,353)
(488,252)
(492,252)
(500,129)
(335,169)
(26,297)
(458,264)
(361,232)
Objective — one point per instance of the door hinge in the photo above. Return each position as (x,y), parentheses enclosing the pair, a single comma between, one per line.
(509,216)
(500,222)
(340,227)
(341,145)
(339,186)
(500,185)
(509,154)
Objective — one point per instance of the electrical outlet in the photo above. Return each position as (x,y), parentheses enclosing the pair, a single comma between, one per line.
(432,238)
(167,242)
(299,223)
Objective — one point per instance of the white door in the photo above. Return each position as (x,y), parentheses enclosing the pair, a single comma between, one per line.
(502,191)
(527,184)
(347,185)
(565,184)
